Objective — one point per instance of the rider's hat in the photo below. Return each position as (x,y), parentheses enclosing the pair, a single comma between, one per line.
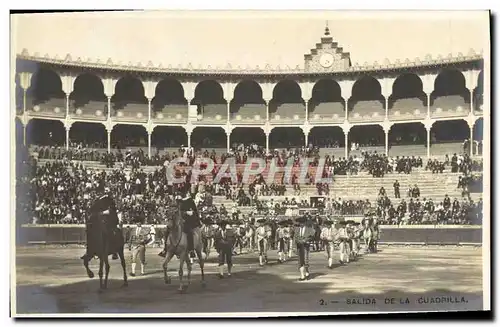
(328,222)
(261,220)
(301,219)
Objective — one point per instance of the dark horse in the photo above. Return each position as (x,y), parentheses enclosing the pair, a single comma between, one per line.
(104,239)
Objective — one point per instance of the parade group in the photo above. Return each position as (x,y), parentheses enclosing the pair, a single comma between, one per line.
(63,191)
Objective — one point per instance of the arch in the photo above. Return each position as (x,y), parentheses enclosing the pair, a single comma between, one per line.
(129,89)
(125,135)
(478,131)
(87,87)
(208,92)
(286,137)
(326,91)
(287,100)
(327,137)
(445,131)
(45,85)
(408,134)
(366,89)
(247,99)
(247,135)
(169,137)
(45,132)
(367,135)
(287,91)
(169,91)
(208,137)
(93,135)
(408,86)
(449,82)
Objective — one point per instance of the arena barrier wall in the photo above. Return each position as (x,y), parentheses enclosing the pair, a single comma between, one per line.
(396,235)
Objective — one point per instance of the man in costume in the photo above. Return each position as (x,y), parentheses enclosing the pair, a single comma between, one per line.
(104,205)
(329,235)
(304,234)
(283,240)
(344,242)
(263,232)
(224,241)
(139,238)
(189,214)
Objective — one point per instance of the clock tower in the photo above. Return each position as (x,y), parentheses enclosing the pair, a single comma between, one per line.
(327,56)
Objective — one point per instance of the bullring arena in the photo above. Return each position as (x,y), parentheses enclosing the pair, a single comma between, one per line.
(400,140)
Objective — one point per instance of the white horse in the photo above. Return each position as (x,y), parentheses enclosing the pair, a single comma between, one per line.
(177,245)
(367,235)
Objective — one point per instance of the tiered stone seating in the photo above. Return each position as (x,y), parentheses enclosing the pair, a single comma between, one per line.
(53,107)
(379,149)
(408,150)
(409,108)
(450,106)
(450,148)
(89,109)
(336,152)
(131,111)
(288,113)
(372,110)
(252,113)
(327,112)
(169,113)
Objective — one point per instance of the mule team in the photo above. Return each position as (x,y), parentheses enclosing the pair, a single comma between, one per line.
(186,237)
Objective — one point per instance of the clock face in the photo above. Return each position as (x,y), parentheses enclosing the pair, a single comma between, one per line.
(326,60)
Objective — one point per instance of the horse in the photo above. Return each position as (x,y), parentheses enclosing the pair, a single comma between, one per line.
(367,235)
(104,239)
(249,237)
(176,244)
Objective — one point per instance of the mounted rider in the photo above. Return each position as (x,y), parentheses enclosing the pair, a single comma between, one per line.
(189,213)
(103,205)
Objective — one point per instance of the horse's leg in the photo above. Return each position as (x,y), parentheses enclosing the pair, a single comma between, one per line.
(201,261)
(124,268)
(184,257)
(107,267)
(189,266)
(101,265)
(86,261)
(167,259)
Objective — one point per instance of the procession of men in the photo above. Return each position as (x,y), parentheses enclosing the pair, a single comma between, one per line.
(287,236)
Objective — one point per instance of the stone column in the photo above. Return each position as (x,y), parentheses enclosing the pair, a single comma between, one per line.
(109,130)
(228,135)
(267,100)
(67,136)
(471,142)
(67,104)
(228,109)
(149,109)
(428,105)
(149,144)
(346,139)
(109,108)
(346,109)
(387,130)
(307,110)
(267,141)
(189,138)
(428,127)
(25,126)
(25,83)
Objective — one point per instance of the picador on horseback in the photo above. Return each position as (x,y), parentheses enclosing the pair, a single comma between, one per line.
(103,236)
(105,207)
(189,213)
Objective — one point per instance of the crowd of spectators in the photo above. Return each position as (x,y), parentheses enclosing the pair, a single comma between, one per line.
(60,191)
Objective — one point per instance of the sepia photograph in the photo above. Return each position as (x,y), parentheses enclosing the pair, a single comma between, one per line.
(249,163)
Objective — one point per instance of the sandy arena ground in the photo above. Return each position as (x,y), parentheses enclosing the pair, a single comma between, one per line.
(53,280)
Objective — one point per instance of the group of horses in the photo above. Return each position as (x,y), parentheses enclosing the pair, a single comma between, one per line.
(101,243)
